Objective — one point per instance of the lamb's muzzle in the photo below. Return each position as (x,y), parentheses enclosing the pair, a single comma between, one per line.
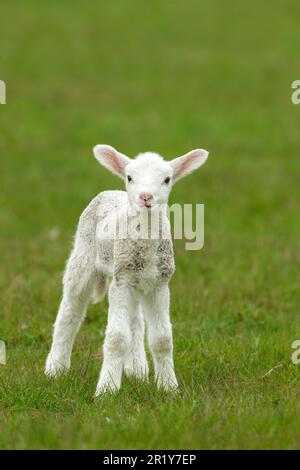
(146,199)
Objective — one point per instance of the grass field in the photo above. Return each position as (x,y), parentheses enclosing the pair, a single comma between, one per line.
(169,77)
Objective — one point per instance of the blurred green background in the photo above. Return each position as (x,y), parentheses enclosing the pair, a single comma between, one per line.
(166,76)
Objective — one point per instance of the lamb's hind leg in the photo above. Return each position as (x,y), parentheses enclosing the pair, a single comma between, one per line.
(136,361)
(79,279)
(100,287)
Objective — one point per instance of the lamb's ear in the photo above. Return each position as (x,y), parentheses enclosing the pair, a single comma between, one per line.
(111,159)
(187,163)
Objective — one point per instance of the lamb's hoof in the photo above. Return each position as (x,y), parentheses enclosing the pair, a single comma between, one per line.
(104,388)
(137,369)
(55,367)
(168,385)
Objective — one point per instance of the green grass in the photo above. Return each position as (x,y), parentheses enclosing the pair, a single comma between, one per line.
(169,77)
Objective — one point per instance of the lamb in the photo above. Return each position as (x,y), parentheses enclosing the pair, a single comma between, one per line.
(140,267)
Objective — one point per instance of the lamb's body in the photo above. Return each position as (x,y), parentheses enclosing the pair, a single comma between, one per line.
(139,262)
(140,269)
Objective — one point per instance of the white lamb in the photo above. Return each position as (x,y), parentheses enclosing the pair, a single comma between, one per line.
(140,267)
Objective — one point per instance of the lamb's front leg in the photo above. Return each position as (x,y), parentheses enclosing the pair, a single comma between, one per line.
(136,361)
(117,339)
(156,309)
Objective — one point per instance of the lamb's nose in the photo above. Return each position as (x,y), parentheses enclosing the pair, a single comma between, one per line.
(146,197)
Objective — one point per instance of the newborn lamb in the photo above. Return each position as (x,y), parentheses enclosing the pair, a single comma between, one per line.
(113,242)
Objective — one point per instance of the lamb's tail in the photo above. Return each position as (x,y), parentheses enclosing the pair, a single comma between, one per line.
(100,288)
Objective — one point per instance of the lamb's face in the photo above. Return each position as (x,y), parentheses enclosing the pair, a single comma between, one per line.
(148,177)
(148,181)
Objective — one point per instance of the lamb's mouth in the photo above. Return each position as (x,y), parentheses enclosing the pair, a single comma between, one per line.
(147,205)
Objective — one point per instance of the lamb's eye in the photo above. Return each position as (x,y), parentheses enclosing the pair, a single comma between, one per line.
(129,179)
(167,180)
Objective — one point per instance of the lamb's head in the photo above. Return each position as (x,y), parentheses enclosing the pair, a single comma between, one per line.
(148,177)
